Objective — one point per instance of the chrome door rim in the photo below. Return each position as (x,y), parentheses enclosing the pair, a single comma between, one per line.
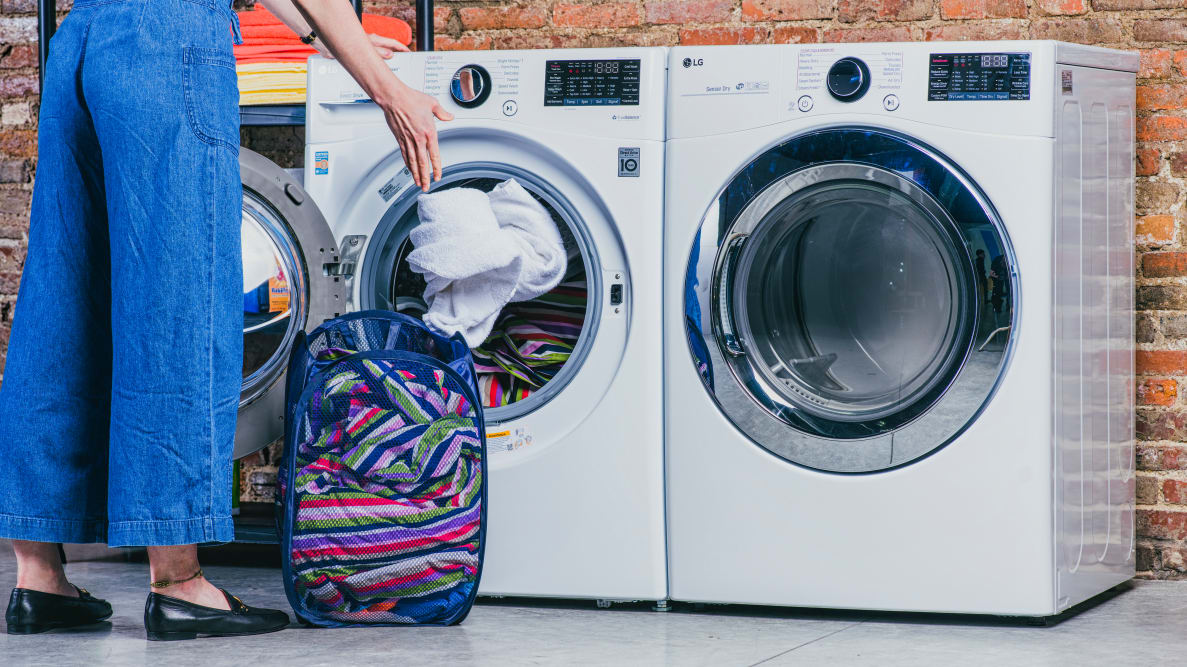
(793,434)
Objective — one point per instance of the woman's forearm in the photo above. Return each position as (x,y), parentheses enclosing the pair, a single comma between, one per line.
(339,29)
(288,15)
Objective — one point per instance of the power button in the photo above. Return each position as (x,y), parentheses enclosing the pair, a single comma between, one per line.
(804,103)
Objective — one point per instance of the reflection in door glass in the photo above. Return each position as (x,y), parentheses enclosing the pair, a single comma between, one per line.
(267,297)
(852,300)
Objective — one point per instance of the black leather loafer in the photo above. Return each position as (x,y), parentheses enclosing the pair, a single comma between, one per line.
(30,612)
(167,618)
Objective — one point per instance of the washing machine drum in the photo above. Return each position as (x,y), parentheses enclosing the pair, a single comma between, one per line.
(290,283)
(850,277)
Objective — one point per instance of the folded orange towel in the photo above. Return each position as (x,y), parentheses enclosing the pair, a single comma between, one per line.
(259,26)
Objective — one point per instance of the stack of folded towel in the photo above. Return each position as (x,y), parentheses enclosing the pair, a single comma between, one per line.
(271,60)
(479,251)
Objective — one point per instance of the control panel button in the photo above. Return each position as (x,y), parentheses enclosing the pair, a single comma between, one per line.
(848,79)
(470,86)
(805,103)
(890,102)
(510,108)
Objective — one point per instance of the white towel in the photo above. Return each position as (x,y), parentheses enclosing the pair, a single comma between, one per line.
(544,260)
(471,265)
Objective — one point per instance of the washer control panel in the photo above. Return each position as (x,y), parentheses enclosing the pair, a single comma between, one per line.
(978,76)
(591,82)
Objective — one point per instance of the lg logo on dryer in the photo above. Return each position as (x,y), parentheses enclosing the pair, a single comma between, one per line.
(694,62)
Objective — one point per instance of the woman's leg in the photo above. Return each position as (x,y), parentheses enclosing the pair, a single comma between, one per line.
(178,563)
(39,568)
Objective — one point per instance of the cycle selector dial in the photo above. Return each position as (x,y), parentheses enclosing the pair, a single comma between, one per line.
(470,86)
(848,79)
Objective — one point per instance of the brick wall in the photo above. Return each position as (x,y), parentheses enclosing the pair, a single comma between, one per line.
(1157,27)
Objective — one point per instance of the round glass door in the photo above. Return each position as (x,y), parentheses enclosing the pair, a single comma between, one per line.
(288,286)
(537,346)
(847,303)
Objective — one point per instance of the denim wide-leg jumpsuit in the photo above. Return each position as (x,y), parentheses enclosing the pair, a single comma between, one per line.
(121,388)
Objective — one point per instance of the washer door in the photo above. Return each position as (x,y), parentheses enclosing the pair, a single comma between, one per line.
(290,284)
(858,290)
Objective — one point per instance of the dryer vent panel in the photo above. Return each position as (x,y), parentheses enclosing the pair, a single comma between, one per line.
(1094,315)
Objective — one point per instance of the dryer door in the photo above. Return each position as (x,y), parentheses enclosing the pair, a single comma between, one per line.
(290,283)
(849,300)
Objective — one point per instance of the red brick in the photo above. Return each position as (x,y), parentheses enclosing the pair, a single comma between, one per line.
(1114,5)
(898,33)
(1161,457)
(968,30)
(18,143)
(1164,264)
(1162,524)
(1180,60)
(1174,491)
(787,10)
(1157,392)
(1063,7)
(506,16)
(1149,161)
(983,9)
(1146,489)
(665,36)
(688,11)
(793,34)
(747,35)
(1161,362)
(18,85)
(1160,424)
(1162,97)
(1160,30)
(19,6)
(1084,31)
(532,40)
(1155,229)
(601,15)
(1155,63)
(1161,128)
(463,43)
(883,10)
(18,55)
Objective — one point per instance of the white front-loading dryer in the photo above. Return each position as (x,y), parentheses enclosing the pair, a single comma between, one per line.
(576,479)
(898,325)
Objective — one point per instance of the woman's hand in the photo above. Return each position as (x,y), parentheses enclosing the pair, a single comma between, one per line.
(386,47)
(412,117)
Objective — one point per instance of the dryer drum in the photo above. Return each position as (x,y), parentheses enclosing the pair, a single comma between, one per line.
(857,279)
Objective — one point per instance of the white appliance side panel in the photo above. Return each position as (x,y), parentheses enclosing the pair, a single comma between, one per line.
(1093,318)
(968,529)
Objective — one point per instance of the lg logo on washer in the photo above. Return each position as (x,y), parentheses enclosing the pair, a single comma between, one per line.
(694,62)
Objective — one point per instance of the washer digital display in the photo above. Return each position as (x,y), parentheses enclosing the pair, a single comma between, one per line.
(978,76)
(591,83)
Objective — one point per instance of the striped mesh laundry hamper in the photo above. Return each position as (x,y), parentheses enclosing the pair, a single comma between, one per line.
(382,503)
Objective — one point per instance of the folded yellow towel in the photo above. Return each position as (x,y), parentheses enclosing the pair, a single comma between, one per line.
(271,83)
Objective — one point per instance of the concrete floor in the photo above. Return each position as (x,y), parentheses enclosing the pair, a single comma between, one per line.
(1145,623)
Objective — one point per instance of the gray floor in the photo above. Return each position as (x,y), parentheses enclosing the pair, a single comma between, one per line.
(1145,623)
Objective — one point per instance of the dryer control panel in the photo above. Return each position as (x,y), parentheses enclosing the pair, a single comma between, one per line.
(978,76)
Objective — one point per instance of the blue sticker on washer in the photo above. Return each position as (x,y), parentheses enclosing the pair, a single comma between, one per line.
(321,163)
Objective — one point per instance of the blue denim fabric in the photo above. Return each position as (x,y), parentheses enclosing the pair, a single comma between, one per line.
(120,393)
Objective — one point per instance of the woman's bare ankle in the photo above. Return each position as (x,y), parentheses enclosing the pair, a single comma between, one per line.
(174,571)
(39,568)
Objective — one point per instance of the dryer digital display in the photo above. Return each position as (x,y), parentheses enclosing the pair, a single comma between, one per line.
(591,83)
(979,76)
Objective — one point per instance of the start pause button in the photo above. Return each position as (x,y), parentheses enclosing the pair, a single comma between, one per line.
(628,161)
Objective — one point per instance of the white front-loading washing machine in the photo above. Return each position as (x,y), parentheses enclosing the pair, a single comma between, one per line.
(576,454)
(898,325)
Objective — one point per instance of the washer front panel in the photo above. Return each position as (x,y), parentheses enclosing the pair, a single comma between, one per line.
(849,300)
